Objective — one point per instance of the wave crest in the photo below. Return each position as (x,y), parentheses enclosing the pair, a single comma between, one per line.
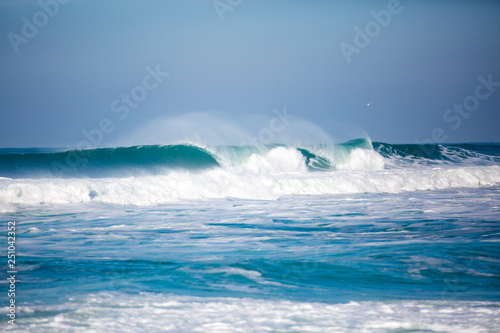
(186,172)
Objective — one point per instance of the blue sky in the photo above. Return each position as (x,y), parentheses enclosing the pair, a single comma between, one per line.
(237,60)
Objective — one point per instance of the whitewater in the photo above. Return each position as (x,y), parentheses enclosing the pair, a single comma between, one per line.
(147,175)
(354,237)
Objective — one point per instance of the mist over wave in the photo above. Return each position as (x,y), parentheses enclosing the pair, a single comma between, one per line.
(146,175)
(222,129)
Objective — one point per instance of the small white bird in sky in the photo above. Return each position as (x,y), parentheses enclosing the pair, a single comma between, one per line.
(367,105)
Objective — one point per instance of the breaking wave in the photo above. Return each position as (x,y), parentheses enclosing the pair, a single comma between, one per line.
(146,175)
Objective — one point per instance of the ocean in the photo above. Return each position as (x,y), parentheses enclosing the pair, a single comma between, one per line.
(355,237)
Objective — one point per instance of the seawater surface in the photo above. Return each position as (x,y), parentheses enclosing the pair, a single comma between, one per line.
(360,237)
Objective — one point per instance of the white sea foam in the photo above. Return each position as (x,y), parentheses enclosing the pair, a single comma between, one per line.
(251,275)
(161,313)
(278,160)
(281,172)
(363,159)
(32,230)
(5,207)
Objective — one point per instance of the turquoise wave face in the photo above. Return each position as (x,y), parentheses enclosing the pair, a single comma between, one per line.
(488,152)
(155,159)
(129,161)
(105,162)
